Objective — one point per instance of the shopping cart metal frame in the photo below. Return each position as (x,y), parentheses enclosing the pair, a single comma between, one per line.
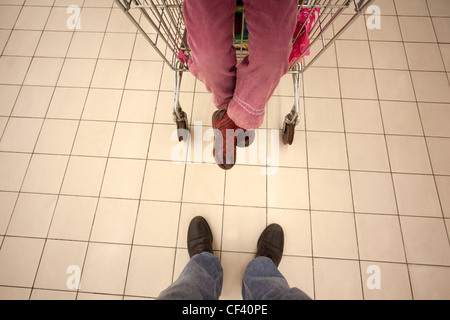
(167,28)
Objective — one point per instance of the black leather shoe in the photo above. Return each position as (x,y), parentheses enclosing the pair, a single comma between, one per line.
(200,237)
(271,244)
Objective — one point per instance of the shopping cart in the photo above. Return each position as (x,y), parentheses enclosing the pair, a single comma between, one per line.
(162,24)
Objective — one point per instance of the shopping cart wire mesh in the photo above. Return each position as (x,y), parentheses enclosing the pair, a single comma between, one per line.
(162,24)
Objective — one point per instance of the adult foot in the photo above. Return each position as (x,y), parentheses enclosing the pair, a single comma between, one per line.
(271,244)
(227,136)
(200,238)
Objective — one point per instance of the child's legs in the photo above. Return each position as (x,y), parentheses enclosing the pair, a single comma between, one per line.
(271,25)
(209,26)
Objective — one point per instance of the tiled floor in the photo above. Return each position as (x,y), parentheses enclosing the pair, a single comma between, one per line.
(88,185)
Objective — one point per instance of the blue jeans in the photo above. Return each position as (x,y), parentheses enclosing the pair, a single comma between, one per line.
(202,279)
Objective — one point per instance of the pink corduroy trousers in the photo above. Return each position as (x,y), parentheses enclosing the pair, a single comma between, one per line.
(245,90)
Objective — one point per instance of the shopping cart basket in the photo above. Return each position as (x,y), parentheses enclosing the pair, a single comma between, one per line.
(162,24)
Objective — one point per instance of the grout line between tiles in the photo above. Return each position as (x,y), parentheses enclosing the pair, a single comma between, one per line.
(145,165)
(33,153)
(206,93)
(184,175)
(223,199)
(28,69)
(231,206)
(142,188)
(223,216)
(388,154)
(309,189)
(233,251)
(348,165)
(109,151)
(171,124)
(426,140)
(179,219)
(11,31)
(147,296)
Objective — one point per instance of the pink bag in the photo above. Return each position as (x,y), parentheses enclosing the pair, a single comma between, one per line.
(302,42)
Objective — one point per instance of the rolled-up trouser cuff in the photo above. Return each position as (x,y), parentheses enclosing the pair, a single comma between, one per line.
(244,115)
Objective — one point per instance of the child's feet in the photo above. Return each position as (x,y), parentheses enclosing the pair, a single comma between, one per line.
(225,140)
(227,137)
